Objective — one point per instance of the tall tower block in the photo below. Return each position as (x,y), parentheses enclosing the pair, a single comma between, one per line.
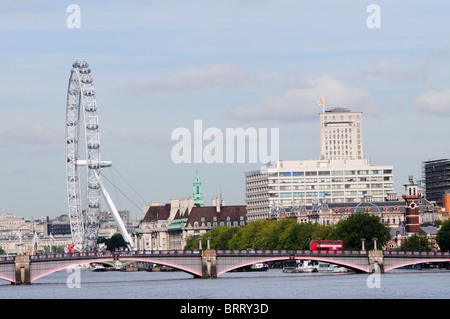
(412,195)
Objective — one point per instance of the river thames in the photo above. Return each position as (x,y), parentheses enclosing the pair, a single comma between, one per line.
(271,284)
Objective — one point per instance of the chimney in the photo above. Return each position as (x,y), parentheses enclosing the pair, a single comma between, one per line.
(213,201)
(218,205)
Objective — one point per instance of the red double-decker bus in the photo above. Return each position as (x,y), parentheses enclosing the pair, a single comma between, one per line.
(325,245)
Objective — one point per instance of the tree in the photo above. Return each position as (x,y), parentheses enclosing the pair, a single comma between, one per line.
(443,236)
(116,241)
(415,243)
(268,234)
(361,225)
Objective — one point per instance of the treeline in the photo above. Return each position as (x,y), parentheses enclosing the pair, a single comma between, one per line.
(289,234)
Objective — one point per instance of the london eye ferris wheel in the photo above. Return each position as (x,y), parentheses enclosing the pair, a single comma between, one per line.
(81,99)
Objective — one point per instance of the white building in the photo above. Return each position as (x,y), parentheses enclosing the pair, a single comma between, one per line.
(341,134)
(341,175)
(302,182)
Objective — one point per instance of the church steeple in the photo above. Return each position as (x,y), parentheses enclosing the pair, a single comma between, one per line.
(198,195)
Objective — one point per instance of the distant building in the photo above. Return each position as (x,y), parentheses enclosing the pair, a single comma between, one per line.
(341,175)
(282,183)
(341,134)
(168,226)
(410,214)
(436,176)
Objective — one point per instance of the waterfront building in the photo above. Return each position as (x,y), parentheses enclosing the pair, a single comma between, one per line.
(393,210)
(303,182)
(405,215)
(436,177)
(169,226)
(341,175)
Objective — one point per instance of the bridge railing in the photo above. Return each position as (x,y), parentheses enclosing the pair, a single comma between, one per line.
(290,252)
(196,252)
(106,254)
(416,253)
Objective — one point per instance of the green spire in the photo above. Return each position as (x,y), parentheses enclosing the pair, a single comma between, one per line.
(198,195)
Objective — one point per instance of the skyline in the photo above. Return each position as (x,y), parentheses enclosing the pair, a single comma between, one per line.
(161,65)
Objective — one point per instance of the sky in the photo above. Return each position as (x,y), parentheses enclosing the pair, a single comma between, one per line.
(159,65)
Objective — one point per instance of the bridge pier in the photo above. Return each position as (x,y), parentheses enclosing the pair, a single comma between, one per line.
(376,261)
(22,270)
(209,263)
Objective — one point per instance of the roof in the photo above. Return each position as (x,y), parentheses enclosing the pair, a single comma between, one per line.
(432,230)
(155,213)
(209,212)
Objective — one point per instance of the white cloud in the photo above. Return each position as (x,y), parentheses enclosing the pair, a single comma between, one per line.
(432,101)
(34,135)
(302,102)
(384,68)
(219,75)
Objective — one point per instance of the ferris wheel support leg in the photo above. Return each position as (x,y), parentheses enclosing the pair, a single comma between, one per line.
(117,218)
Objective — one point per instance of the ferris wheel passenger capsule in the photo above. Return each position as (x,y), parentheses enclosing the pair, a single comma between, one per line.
(80,64)
(93,146)
(87,80)
(94,205)
(85,70)
(91,108)
(89,92)
(92,126)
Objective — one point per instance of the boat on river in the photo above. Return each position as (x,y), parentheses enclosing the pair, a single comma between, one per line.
(305,266)
(98,268)
(259,267)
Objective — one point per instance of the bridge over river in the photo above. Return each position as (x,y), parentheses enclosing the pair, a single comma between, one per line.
(209,263)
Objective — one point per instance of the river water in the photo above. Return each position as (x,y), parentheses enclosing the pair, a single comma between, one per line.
(271,284)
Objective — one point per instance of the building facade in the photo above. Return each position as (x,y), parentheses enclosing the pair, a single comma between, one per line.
(341,175)
(283,183)
(166,227)
(436,177)
(341,136)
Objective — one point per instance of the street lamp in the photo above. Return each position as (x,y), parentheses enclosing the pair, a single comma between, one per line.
(375,243)
(363,240)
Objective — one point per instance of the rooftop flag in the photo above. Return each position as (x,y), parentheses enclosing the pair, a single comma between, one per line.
(322,102)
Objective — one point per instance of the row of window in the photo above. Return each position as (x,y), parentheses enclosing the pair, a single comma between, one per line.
(325,173)
(215,224)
